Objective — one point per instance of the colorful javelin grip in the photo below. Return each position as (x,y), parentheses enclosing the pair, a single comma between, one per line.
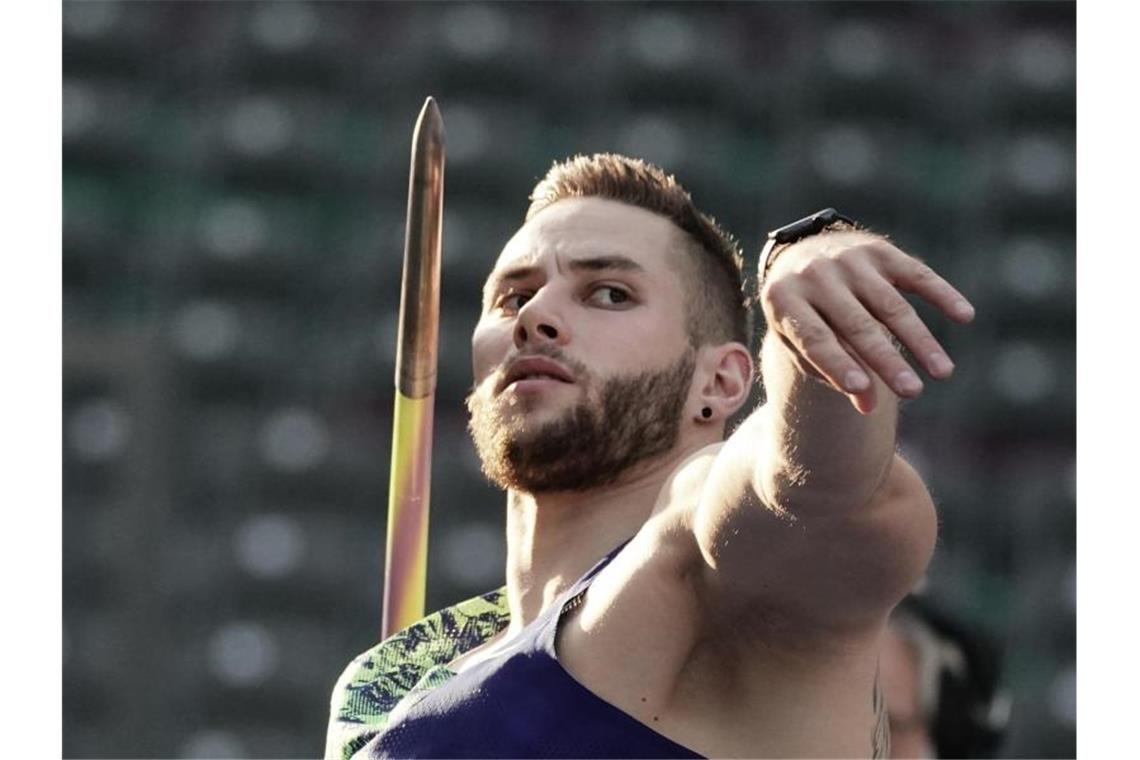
(417,355)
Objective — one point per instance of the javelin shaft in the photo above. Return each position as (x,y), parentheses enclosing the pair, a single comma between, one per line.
(417,356)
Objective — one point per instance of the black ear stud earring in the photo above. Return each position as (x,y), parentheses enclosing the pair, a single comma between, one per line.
(706,412)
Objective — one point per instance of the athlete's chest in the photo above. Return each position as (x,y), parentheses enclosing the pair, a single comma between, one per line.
(631,636)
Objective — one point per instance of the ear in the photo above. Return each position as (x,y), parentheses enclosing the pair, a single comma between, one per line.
(724,377)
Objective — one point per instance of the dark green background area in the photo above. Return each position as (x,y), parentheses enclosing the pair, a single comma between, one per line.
(234,187)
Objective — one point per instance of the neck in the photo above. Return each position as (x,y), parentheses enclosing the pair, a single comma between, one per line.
(553,538)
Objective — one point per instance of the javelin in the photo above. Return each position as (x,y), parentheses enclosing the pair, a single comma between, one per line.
(417,355)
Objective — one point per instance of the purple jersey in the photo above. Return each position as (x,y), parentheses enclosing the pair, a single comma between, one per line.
(519,703)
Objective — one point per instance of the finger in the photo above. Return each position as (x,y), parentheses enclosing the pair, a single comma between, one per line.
(889,307)
(814,340)
(864,401)
(913,276)
(866,335)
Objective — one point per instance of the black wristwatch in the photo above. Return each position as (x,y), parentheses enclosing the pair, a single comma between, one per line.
(790,233)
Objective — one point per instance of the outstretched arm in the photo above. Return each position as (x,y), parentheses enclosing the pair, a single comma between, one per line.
(808,510)
(831,367)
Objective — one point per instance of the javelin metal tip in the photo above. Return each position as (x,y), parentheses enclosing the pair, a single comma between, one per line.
(417,352)
(430,109)
(429,125)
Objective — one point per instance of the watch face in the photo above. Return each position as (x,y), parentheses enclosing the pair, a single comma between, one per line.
(809,225)
(827,216)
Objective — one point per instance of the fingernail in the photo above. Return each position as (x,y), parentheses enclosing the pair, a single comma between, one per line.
(856,381)
(907,382)
(964,310)
(940,364)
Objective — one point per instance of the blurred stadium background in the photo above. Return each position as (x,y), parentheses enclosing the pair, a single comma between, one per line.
(234,181)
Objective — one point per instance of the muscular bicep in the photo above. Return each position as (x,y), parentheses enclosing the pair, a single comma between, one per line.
(799,569)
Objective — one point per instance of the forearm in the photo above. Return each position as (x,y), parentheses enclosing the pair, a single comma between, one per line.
(820,452)
(848,526)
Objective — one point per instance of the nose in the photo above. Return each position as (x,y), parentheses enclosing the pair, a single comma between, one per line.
(538,323)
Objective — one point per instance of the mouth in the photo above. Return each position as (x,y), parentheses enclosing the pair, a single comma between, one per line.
(534,373)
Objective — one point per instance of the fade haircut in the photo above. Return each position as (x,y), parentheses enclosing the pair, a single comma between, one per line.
(716,306)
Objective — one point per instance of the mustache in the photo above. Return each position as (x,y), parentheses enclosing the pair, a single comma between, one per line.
(623,421)
(579,370)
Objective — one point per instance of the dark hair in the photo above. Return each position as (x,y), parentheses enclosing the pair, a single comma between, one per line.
(717,307)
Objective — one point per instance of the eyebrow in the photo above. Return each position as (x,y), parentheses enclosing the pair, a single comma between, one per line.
(586,264)
(601,263)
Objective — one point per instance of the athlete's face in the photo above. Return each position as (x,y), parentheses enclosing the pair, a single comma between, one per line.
(582,364)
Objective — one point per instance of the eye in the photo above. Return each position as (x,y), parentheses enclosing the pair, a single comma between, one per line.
(609,295)
(513,301)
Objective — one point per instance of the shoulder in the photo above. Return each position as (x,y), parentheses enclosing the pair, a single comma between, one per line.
(374,682)
(834,572)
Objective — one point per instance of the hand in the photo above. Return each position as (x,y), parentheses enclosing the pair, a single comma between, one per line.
(834,299)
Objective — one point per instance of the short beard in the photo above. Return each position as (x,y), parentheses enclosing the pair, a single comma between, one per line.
(628,420)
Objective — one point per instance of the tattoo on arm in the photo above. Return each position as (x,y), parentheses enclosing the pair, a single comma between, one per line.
(881,734)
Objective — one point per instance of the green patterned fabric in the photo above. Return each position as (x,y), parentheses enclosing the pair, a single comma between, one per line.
(404,665)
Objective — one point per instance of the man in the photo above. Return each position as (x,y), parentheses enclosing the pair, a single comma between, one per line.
(940,685)
(739,587)
(903,692)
